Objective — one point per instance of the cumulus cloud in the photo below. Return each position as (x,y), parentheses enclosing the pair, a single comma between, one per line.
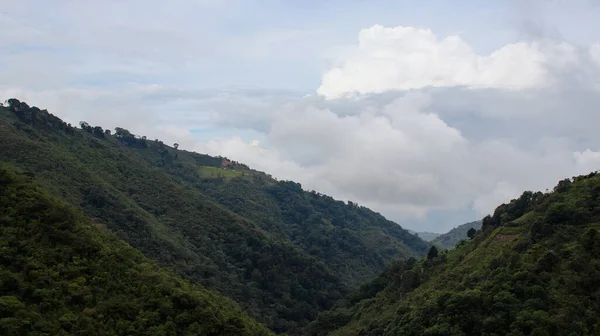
(402,58)
(421,124)
(371,157)
(405,154)
(587,160)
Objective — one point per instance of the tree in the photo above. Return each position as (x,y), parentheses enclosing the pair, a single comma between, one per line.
(98,132)
(433,252)
(563,185)
(123,133)
(471,233)
(86,127)
(176,145)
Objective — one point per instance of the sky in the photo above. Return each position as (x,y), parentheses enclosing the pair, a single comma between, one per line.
(430,112)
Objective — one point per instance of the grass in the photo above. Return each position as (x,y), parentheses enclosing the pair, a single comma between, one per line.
(214,172)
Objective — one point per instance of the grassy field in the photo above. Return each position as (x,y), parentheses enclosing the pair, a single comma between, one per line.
(214,172)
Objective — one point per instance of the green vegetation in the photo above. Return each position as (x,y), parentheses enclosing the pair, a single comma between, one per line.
(353,241)
(60,274)
(532,269)
(282,253)
(216,172)
(451,238)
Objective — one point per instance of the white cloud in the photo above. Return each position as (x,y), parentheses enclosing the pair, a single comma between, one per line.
(402,58)
(399,159)
(587,157)
(433,123)
(587,161)
(501,192)
(395,153)
(595,53)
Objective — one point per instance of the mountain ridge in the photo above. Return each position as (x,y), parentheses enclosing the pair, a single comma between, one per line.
(426,235)
(532,269)
(177,209)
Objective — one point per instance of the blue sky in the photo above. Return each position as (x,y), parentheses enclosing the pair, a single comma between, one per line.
(431,112)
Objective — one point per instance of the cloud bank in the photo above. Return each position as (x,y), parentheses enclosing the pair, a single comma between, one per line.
(405,122)
(411,124)
(404,58)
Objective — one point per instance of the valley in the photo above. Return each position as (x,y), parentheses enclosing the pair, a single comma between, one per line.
(107,233)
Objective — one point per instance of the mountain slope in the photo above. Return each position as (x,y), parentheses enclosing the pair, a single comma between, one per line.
(533,269)
(449,239)
(282,253)
(353,241)
(60,274)
(178,227)
(426,236)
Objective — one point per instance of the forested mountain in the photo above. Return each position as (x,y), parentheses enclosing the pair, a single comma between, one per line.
(353,241)
(451,238)
(532,269)
(282,253)
(61,274)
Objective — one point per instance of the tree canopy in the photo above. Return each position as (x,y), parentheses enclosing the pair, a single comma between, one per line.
(281,252)
(533,269)
(61,274)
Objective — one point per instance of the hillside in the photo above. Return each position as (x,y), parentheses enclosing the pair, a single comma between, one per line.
(353,241)
(451,238)
(61,274)
(426,236)
(533,269)
(282,253)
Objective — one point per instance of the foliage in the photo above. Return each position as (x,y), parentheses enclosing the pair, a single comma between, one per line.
(433,252)
(282,253)
(533,269)
(353,241)
(471,233)
(62,275)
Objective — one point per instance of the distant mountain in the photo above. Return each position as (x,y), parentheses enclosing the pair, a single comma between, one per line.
(63,274)
(448,240)
(281,252)
(426,236)
(532,269)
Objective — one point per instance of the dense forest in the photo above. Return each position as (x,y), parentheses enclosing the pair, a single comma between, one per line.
(532,269)
(62,274)
(282,253)
(353,241)
(112,233)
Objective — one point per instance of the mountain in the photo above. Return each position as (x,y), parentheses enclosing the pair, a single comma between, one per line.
(532,269)
(426,236)
(62,274)
(353,241)
(282,253)
(451,238)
